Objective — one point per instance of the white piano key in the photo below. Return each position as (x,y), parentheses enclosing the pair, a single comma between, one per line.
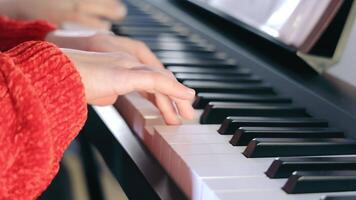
(176,170)
(226,165)
(180,143)
(187,129)
(260,194)
(202,145)
(213,148)
(242,183)
(271,194)
(167,139)
(196,119)
(196,138)
(166,153)
(164,136)
(212,186)
(138,112)
(142,115)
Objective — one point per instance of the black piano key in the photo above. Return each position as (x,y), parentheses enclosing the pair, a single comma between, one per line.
(138,14)
(197,62)
(147,31)
(189,55)
(166,38)
(160,36)
(155,41)
(193,50)
(150,29)
(284,167)
(280,147)
(231,124)
(202,99)
(204,70)
(145,23)
(236,88)
(339,197)
(244,135)
(216,77)
(216,112)
(320,181)
(172,44)
(139,24)
(176,47)
(193,56)
(151,33)
(145,18)
(132,22)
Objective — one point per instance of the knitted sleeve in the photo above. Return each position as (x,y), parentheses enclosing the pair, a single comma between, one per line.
(14,32)
(42,109)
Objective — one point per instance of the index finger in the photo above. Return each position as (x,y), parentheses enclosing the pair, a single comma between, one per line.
(146,56)
(158,82)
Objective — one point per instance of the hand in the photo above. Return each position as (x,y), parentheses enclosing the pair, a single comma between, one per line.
(103,42)
(93,41)
(107,75)
(88,13)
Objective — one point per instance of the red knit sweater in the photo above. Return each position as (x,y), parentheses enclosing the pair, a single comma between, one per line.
(42,108)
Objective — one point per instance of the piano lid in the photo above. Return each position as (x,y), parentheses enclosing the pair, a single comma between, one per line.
(315,30)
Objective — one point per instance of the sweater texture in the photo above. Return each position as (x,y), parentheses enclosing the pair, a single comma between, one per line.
(42,108)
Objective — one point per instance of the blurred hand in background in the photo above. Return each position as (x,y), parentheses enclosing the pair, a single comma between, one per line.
(86,13)
(103,42)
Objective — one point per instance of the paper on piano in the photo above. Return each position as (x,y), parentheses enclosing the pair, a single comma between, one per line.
(297,23)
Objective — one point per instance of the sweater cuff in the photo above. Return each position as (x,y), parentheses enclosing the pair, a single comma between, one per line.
(48,97)
(58,87)
(14,32)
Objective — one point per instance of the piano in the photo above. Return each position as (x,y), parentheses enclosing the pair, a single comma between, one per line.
(267,126)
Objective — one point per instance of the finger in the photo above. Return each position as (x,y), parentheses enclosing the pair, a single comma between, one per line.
(103,101)
(146,56)
(167,109)
(158,82)
(110,59)
(112,11)
(185,109)
(126,60)
(92,22)
(140,50)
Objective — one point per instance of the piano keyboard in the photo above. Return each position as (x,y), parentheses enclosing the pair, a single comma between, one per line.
(248,141)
